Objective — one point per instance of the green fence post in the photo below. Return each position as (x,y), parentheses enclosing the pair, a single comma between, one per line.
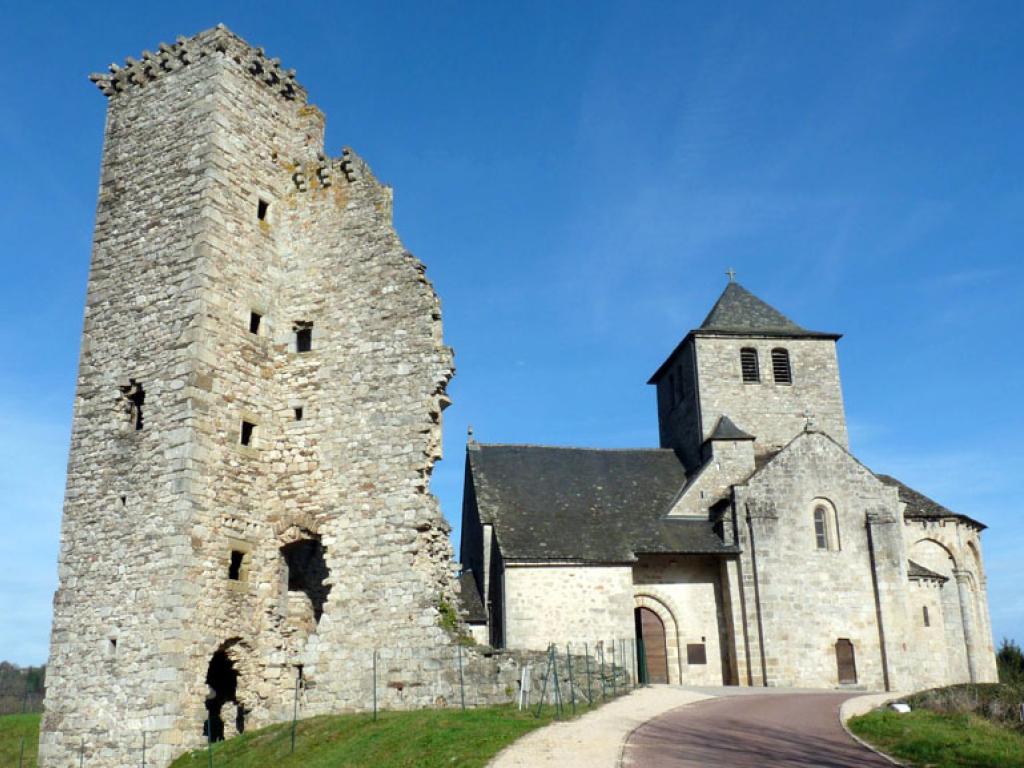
(295,705)
(81,754)
(572,688)
(615,681)
(600,672)
(21,755)
(590,693)
(544,687)
(143,749)
(462,682)
(558,690)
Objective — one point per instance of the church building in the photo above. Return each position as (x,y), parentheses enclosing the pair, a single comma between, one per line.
(751,548)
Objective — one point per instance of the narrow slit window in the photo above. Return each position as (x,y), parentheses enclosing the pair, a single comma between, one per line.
(925,617)
(298,413)
(749,365)
(821,528)
(235,565)
(262,209)
(248,433)
(255,318)
(781,370)
(303,337)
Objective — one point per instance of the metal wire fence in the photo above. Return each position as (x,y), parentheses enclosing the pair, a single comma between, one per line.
(560,682)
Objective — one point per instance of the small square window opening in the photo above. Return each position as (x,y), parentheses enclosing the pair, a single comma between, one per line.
(255,318)
(298,413)
(262,208)
(304,337)
(248,433)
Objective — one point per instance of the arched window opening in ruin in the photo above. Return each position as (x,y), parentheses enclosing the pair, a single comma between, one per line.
(308,572)
(134,396)
(222,685)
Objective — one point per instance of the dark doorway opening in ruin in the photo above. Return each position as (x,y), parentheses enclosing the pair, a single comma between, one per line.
(222,680)
(308,572)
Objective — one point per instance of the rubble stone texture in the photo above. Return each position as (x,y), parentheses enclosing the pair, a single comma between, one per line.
(225,243)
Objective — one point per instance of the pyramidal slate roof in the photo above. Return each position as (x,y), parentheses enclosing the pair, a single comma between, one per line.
(583,504)
(726,429)
(739,311)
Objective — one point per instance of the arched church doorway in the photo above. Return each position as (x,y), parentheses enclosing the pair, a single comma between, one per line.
(650,640)
(222,682)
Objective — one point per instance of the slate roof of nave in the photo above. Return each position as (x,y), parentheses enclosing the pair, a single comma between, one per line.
(920,506)
(469,593)
(918,571)
(584,505)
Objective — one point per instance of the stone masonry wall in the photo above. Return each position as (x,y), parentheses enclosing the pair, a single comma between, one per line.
(567,603)
(773,413)
(809,597)
(176,537)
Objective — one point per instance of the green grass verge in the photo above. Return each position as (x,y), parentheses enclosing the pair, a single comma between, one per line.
(14,728)
(934,740)
(418,739)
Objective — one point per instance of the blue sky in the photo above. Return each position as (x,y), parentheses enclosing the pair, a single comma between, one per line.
(577,176)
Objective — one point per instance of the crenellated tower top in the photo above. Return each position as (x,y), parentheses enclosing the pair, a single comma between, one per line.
(137,73)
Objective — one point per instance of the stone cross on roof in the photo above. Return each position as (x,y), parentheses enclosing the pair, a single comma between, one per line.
(732,274)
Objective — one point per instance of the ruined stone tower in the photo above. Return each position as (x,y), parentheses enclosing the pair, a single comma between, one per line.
(258,410)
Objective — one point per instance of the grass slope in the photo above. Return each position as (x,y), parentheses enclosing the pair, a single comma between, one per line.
(14,728)
(418,739)
(942,740)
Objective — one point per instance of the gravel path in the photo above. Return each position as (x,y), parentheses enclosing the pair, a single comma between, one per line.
(595,739)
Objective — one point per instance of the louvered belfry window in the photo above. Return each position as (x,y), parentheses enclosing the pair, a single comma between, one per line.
(781,371)
(748,363)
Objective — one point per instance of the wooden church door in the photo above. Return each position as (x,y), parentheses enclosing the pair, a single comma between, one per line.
(846,662)
(651,634)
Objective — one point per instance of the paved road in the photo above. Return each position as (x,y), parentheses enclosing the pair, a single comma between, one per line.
(798,730)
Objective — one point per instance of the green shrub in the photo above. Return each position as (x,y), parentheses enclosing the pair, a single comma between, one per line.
(995,702)
(1010,660)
